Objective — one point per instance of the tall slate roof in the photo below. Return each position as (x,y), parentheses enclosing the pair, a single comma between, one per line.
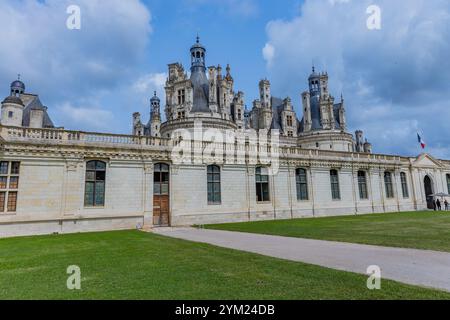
(35,104)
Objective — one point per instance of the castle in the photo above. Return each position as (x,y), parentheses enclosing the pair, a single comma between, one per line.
(209,96)
(54,180)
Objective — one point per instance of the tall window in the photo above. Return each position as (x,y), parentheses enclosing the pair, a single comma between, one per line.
(289,121)
(94,194)
(302,184)
(262,184)
(161,179)
(448,183)
(9,185)
(181,96)
(214,193)
(404,182)
(335,190)
(362,184)
(388,185)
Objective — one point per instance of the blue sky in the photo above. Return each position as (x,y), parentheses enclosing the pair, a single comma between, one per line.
(396,81)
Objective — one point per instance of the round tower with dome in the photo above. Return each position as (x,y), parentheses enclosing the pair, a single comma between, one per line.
(13,106)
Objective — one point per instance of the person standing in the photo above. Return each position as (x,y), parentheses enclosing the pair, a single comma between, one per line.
(446,205)
(438,203)
(434,205)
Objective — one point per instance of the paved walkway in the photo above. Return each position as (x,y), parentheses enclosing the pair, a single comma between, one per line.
(416,267)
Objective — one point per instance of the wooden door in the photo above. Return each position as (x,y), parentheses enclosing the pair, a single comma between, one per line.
(428,184)
(161,195)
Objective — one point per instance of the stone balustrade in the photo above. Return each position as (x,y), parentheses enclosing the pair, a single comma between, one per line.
(71,137)
(61,136)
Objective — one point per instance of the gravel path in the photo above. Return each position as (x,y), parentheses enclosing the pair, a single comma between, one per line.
(411,266)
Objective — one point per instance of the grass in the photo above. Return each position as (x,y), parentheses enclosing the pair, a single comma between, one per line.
(420,230)
(136,265)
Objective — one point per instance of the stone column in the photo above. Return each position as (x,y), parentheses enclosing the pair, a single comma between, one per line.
(148,195)
(73,188)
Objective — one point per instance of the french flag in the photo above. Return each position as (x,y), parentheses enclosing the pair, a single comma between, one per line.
(422,143)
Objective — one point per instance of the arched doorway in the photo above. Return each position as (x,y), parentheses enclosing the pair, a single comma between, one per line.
(161,195)
(428,184)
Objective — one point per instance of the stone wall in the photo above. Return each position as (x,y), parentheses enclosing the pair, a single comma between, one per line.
(52,182)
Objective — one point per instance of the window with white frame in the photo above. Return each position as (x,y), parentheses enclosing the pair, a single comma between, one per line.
(94,193)
(388,185)
(301,179)
(335,189)
(404,182)
(9,185)
(214,189)
(262,184)
(362,184)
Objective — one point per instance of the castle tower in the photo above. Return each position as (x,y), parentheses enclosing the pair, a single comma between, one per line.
(266,115)
(138,128)
(367,147)
(307,120)
(155,116)
(199,80)
(359,136)
(198,55)
(314,100)
(239,110)
(12,106)
(265,94)
(342,117)
(17,87)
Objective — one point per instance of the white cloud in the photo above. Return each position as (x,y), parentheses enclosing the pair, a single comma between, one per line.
(391,78)
(150,82)
(269,53)
(86,117)
(243,8)
(73,65)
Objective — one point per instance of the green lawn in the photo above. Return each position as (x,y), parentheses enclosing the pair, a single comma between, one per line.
(136,265)
(420,230)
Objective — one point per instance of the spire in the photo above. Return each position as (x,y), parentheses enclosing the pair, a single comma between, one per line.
(198,56)
(17,87)
(228,76)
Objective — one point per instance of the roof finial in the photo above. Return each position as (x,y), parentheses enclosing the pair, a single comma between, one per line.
(18,77)
(198,38)
(155,93)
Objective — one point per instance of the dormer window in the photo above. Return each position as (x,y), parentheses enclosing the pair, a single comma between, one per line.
(181,96)
(289,121)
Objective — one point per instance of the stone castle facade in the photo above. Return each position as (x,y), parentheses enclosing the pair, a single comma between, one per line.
(54,180)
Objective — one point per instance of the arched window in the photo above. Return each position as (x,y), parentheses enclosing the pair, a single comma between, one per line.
(94,193)
(335,189)
(214,191)
(362,184)
(262,184)
(302,184)
(388,185)
(448,183)
(404,182)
